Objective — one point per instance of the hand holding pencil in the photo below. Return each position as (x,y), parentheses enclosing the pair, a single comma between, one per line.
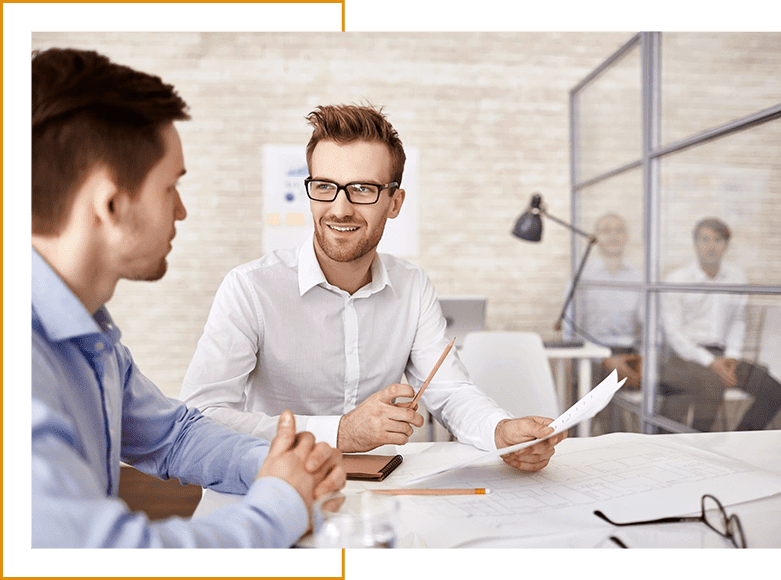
(414,402)
(379,420)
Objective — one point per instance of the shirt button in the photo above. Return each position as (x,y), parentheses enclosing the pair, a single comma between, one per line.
(99,346)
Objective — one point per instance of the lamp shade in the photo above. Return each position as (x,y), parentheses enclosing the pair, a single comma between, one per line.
(529,225)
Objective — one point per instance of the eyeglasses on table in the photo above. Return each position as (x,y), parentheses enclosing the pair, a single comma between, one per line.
(713,515)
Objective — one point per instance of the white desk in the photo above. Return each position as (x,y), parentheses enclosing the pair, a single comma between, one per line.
(703,462)
(584,355)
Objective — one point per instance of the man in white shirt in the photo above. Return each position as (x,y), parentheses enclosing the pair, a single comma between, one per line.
(704,338)
(328,329)
(611,316)
(607,316)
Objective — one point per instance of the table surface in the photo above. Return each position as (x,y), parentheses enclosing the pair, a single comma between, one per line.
(751,458)
(586,350)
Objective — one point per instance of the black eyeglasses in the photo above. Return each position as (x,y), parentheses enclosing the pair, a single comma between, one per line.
(357,193)
(713,515)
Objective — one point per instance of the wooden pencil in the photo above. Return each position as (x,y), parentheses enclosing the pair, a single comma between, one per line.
(456,491)
(432,373)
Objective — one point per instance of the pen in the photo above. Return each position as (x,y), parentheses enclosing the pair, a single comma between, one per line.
(432,373)
(456,491)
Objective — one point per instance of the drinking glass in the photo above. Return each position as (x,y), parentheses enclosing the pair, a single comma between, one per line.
(357,520)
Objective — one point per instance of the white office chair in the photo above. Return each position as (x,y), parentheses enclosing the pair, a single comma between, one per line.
(513,369)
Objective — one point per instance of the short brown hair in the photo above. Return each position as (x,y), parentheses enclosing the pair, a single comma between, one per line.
(349,123)
(714,224)
(86,112)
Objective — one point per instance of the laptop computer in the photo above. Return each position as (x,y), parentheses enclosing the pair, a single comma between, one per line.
(463,314)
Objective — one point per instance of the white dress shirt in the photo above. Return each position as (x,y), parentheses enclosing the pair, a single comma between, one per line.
(612,316)
(694,319)
(279,336)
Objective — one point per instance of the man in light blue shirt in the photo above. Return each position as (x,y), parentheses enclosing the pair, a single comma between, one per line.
(106,161)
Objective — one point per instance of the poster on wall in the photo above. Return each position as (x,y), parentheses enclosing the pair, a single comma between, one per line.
(288,220)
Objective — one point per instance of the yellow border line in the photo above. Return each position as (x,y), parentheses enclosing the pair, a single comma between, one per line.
(342,2)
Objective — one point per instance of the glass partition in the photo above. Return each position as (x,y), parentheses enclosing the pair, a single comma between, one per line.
(711,78)
(696,309)
(737,179)
(620,196)
(720,360)
(609,134)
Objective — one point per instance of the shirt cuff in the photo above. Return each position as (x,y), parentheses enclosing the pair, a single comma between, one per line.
(704,357)
(281,504)
(324,428)
(489,440)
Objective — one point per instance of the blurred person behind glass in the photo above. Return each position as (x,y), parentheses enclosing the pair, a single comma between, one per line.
(611,317)
(704,336)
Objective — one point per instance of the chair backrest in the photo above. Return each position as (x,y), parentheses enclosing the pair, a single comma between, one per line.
(513,369)
(770,341)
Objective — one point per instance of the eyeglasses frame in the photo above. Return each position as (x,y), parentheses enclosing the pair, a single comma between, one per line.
(339,187)
(731,522)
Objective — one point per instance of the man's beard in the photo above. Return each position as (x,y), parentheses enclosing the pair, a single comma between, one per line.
(346,252)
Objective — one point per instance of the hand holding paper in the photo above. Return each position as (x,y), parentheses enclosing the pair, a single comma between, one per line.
(531,428)
(594,401)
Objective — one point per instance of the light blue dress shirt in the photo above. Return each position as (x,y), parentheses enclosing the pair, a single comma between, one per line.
(92,407)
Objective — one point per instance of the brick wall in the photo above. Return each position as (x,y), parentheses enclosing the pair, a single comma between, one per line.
(489,113)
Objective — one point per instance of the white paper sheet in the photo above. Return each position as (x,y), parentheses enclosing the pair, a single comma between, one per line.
(591,404)
(628,476)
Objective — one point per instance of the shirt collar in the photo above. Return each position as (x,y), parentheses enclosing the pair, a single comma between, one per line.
(310,274)
(59,312)
(597,266)
(703,278)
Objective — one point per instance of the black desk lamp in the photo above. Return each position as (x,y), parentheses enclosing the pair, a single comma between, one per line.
(529,228)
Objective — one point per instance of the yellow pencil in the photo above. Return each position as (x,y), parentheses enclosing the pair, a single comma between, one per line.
(457,491)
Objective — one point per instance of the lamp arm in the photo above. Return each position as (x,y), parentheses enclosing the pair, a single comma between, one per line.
(592,240)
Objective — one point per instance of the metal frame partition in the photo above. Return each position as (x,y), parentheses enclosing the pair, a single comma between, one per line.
(650,45)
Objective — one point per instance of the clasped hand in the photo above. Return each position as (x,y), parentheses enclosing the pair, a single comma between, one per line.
(725,368)
(379,420)
(627,365)
(313,469)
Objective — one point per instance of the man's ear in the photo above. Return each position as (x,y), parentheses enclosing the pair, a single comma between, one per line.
(396,202)
(109,202)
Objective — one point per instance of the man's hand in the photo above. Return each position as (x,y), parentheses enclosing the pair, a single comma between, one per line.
(628,365)
(512,431)
(725,368)
(379,421)
(313,469)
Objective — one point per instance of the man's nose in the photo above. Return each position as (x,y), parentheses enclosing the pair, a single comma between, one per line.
(341,205)
(180,212)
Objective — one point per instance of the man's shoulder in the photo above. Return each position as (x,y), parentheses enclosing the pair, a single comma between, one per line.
(733,272)
(399,268)
(275,260)
(47,368)
(681,273)
(391,261)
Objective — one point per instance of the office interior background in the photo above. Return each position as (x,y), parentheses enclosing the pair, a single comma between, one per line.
(489,117)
